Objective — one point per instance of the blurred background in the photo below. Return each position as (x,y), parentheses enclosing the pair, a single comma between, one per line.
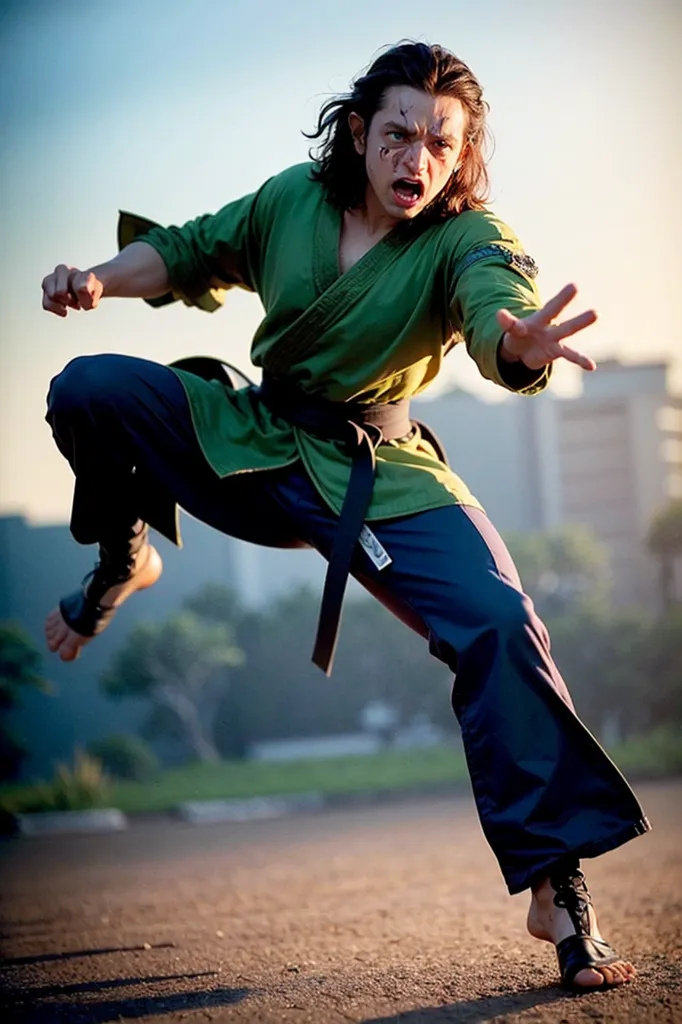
(173,109)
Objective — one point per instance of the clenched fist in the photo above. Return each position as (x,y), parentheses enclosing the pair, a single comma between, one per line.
(69,288)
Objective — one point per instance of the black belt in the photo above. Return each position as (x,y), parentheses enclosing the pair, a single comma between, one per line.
(362,428)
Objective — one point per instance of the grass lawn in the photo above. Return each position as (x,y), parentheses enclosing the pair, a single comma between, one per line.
(656,755)
(390,769)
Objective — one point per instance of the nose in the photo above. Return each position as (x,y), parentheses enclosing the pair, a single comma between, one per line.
(416,157)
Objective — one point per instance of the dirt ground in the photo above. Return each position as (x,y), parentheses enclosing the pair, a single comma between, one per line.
(384,914)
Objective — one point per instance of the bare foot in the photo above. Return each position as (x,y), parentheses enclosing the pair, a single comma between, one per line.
(62,640)
(551,923)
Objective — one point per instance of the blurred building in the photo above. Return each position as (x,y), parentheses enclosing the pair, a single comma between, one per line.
(609,460)
(606,459)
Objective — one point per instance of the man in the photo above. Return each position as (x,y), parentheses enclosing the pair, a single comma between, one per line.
(370,262)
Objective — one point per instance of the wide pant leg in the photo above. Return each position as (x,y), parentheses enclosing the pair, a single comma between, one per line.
(544,788)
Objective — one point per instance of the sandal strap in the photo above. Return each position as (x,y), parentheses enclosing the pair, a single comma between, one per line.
(82,610)
(582,950)
(84,615)
(576,952)
(571,893)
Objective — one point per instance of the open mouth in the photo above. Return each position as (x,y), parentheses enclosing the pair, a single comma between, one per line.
(407,191)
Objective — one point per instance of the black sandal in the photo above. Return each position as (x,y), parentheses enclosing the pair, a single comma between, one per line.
(81,610)
(582,950)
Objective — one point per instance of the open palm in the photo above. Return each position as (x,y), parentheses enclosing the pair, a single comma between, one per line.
(537,341)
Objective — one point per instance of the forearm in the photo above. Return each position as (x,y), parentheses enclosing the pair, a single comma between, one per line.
(138,272)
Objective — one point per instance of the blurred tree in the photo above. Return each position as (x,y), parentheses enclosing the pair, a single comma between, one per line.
(279,693)
(665,543)
(173,665)
(659,660)
(216,603)
(391,663)
(561,568)
(20,666)
(124,757)
(598,650)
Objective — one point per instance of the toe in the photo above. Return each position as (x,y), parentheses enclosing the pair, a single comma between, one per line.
(54,637)
(589,978)
(71,645)
(626,971)
(55,629)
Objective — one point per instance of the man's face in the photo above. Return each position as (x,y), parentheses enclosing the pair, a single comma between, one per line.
(411,149)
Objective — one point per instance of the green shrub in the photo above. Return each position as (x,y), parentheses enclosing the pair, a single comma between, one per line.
(76,787)
(125,757)
(79,787)
(652,755)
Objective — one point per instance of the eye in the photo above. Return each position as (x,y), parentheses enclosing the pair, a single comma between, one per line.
(442,145)
(396,136)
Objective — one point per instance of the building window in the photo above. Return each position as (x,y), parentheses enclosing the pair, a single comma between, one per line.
(669,418)
(675,485)
(671,449)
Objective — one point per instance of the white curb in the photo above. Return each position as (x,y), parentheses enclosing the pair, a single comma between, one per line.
(108,819)
(202,812)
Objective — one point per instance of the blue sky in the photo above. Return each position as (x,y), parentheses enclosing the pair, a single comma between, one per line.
(172,109)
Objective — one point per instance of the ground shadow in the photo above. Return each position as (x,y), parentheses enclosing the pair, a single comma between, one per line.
(43,958)
(65,1012)
(476,1011)
(50,991)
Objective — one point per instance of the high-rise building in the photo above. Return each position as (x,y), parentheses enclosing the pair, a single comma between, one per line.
(607,459)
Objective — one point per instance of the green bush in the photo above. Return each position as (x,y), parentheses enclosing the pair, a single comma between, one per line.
(73,788)
(125,757)
(653,755)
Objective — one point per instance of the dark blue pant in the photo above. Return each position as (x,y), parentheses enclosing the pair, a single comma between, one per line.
(544,788)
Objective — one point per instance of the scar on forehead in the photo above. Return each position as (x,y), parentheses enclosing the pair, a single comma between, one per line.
(404,111)
(437,126)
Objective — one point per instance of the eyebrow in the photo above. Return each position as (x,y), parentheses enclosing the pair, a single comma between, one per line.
(394,126)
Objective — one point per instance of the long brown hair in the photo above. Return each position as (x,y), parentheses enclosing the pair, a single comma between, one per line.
(433,70)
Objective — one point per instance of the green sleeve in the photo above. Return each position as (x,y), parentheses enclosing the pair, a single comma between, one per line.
(207,255)
(489,271)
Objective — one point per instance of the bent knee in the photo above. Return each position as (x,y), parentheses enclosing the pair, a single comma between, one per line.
(83,381)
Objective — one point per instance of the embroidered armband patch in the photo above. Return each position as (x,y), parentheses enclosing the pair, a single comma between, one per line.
(520,260)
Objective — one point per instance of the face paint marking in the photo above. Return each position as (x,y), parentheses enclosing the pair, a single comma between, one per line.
(404,112)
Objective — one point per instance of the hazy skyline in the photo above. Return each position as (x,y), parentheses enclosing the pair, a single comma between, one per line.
(171,110)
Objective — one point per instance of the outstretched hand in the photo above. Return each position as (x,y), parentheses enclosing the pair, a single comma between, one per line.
(536,341)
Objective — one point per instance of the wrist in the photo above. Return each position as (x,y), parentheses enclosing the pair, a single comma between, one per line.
(136,272)
(108,280)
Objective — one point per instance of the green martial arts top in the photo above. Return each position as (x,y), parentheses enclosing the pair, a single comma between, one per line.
(376,333)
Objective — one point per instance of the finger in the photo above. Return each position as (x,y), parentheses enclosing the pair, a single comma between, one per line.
(88,291)
(551,309)
(52,306)
(572,326)
(57,284)
(560,351)
(511,324)
(56,287)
